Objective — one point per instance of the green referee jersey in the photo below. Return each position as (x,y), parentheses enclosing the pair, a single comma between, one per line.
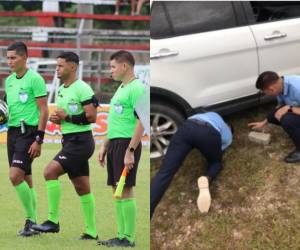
(121,118)
(21,97)
(70,99)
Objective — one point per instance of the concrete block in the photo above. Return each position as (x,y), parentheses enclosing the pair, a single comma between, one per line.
(259,137)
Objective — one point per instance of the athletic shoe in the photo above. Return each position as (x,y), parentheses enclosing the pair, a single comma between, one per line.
(116,242)
(88,237)
(126,243)
(110,242)
(204,198)
(28,230)
(47,227)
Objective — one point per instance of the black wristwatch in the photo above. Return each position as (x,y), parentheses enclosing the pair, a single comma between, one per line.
(290,109)
(131,149)
(39,140)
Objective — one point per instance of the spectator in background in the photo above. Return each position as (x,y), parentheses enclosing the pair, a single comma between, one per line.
(139,6)
(117,6)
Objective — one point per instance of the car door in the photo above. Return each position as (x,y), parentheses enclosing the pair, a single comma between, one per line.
(202,51)
(276,28)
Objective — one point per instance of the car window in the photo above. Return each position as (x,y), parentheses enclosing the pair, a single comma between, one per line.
(265,11)
(172,18)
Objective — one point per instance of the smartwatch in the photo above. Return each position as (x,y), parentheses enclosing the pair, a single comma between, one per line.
(39,139)
(290,109)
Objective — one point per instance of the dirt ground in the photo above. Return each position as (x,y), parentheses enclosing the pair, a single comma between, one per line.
(255,199)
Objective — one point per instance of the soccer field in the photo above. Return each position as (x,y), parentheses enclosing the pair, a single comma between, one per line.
(71,218)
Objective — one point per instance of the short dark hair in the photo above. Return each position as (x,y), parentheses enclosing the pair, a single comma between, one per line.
(69,57)
(266,79)
(123,56)
(19,47)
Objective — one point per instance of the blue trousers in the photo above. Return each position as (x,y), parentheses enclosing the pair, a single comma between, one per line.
(290,123)
(190,135)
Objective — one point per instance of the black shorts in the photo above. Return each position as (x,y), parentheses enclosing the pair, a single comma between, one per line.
(75,153)
(115,161)
(18,145)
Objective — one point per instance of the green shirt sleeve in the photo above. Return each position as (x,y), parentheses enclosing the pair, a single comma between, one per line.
(136,93)
(86,93)
(39,86)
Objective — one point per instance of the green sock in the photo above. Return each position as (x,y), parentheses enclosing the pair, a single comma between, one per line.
(34,206)
(54,193)
(88,207)
(129,215)
(120,218)
(24,195)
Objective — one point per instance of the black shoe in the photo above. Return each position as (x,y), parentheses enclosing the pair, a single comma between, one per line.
(126,243)
(116,242)
(28,230)
(88,237)
(110,242)
(293,157)
(47,227)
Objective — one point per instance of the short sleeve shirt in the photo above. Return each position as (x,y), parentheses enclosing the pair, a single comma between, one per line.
(70,99)
(291,91)
(218,123)
(21,97)
(121,119)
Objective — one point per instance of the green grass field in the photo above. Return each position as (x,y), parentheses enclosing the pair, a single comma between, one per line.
(71,219)
(255,199)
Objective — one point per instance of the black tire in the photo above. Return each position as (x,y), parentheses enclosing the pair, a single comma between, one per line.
(164,120)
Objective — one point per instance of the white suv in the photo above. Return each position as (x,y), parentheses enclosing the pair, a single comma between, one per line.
(207,55)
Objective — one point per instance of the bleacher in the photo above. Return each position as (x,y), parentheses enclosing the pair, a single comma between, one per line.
(47,41)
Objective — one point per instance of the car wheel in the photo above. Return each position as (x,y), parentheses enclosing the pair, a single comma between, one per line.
(164,123)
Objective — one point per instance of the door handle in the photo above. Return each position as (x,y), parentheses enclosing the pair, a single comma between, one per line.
(275,35)
(164,53)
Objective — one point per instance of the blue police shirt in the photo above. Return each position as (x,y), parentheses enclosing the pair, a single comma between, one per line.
(291,91)
(218,123)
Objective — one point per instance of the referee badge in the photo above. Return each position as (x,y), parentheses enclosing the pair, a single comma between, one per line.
(118,108)
(23,96)
(73,107)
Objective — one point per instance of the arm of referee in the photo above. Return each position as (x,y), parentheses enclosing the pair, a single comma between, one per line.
(90,112)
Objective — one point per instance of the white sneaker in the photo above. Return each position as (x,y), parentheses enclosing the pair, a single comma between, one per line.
(204,199)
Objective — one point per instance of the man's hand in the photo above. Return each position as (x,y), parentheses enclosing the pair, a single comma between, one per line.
(54,118)
(34,150)
(258,125)
(61,114)
(129,159)
(102,154)
(282,111)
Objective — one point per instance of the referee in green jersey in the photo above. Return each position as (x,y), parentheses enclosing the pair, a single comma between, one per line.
(77,109)
(26,97)
(123,145)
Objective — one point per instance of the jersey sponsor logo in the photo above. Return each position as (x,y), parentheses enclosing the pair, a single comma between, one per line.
(18,161)
(62,157)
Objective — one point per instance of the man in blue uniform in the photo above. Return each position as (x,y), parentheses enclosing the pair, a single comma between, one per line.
(287,113)
(210,135)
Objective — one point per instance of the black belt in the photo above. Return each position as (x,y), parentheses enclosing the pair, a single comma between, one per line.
(200,122)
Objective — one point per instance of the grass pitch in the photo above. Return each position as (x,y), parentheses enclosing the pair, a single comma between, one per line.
(71,217)
(255,199)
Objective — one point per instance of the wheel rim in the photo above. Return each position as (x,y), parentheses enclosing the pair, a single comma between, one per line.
(162,129)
